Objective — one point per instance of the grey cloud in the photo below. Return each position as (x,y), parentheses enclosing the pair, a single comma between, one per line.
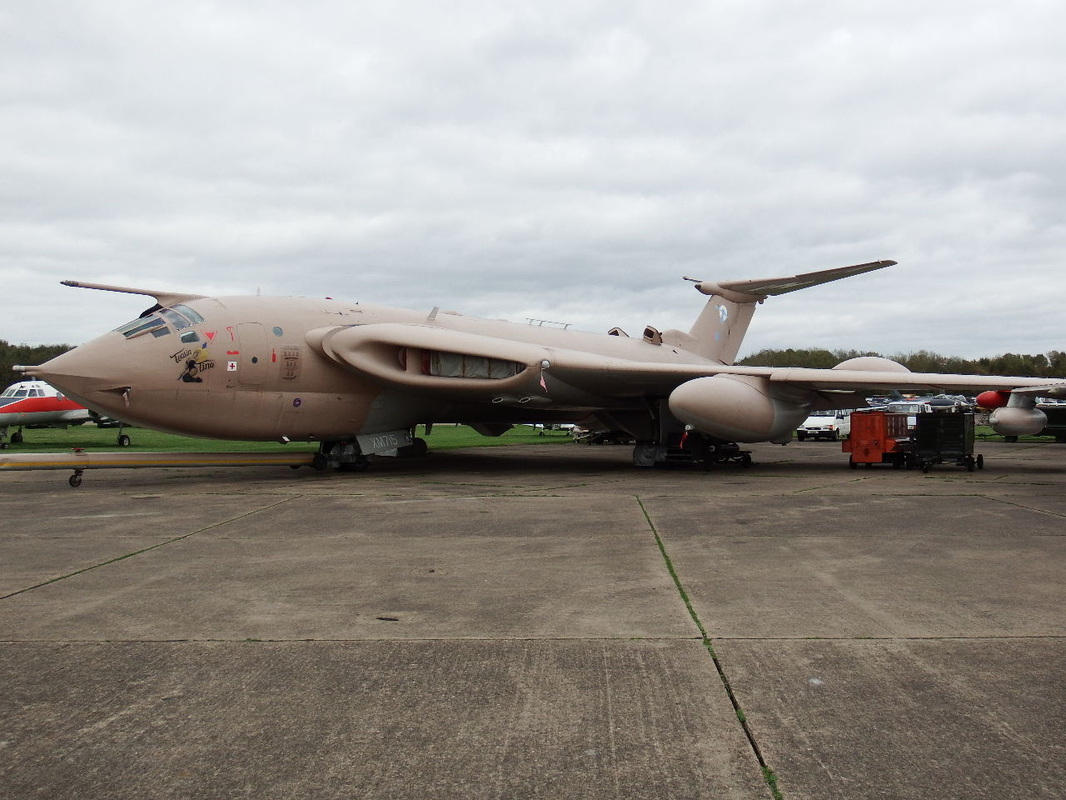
(550,160)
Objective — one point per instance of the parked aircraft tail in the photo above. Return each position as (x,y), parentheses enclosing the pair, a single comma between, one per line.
(719,330)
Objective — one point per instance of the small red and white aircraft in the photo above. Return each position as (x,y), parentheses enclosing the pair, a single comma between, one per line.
(36,404)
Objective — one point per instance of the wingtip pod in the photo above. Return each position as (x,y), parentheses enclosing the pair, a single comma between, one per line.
(759,289)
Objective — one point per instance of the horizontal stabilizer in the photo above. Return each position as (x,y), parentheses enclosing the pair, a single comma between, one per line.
(765,287)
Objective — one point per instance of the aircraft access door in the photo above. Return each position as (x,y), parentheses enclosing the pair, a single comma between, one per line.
(254,356)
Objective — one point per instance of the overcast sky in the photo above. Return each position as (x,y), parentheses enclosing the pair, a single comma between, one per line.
(567,161)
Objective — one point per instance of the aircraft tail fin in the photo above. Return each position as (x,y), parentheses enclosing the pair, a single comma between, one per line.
(719,330)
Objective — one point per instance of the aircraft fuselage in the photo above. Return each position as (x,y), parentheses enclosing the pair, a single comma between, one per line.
(250,368)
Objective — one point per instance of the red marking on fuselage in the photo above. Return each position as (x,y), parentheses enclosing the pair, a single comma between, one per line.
(36,405)
(25,405)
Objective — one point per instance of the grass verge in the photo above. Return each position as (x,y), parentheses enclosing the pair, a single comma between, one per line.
(90,437)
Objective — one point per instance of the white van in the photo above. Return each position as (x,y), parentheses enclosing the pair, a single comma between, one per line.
(831,425)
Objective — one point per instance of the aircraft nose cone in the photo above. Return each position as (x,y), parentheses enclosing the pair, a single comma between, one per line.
(85,374)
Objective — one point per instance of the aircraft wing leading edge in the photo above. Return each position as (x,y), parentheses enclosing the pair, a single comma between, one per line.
(830,379)
(360,348)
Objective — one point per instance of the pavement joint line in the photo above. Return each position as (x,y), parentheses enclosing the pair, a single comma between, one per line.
(144,550)
(823,487)
(1016,504)
(769,776)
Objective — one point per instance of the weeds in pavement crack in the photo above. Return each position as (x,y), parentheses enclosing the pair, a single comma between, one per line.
(768,774)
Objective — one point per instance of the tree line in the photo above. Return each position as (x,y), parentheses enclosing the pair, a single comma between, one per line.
(12,354)
(1039,365)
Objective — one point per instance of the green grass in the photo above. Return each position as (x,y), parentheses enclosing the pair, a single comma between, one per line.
(984,433)
(444,437)
(90,437)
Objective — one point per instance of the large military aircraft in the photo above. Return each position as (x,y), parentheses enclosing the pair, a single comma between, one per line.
(35,404)
(358,378)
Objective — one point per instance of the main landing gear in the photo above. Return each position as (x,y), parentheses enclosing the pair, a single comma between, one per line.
(690,449)
(347,456)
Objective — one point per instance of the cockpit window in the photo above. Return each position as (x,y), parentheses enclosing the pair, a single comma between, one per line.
(177,320)
(187,312)
(142,325)
(155,321)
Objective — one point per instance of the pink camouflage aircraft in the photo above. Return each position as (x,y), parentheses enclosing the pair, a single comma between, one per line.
(358,378)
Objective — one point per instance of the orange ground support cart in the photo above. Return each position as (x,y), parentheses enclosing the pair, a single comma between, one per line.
(879,437)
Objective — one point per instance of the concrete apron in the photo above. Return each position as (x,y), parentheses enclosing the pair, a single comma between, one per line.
(513,622)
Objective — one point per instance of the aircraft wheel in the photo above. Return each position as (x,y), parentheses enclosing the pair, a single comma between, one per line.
(16,438)
(417,449)
(123,440)
(359,465)
(980,461)
(320,461)
(745,460)
(3,445)
(75,479)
